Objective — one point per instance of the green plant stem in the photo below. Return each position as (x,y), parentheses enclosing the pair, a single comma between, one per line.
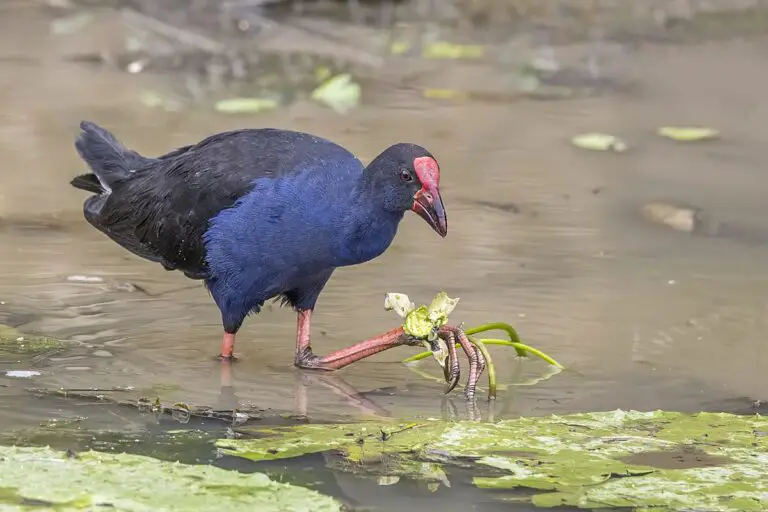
(498,326)
(524,347)
(491,341)
(489,366)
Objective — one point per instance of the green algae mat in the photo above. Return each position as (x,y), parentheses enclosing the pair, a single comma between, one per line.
(46,479)
(12,341)
(643,461)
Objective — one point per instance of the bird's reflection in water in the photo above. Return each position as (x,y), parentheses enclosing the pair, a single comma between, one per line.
(305,380)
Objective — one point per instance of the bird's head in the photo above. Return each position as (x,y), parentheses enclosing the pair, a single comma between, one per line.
(407,177)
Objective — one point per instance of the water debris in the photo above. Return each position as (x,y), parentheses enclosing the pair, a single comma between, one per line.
(339,92)
(688,134)
(93,480)
(246,105)
(22,374)
(599,142)
(607,460)
(178,411)
(682,217)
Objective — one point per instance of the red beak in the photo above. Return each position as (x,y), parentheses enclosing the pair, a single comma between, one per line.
(428,204)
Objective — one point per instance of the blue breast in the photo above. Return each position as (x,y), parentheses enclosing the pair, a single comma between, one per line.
(291,231)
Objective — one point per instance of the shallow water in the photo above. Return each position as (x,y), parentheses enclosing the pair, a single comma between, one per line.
(543,235)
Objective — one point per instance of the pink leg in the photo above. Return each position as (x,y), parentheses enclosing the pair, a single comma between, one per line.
(304,358)
(227,347)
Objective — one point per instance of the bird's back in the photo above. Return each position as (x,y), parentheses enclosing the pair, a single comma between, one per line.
(161,211)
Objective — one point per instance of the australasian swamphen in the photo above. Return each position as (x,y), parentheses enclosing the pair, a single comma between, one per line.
(259,214)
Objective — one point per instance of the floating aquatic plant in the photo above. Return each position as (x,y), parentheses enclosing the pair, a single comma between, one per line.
(46,479)
(14,342)
(430,324)
(615,460)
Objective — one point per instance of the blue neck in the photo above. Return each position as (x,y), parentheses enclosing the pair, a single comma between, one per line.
(366,231)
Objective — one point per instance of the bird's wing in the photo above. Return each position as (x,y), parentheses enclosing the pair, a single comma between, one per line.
(163,210)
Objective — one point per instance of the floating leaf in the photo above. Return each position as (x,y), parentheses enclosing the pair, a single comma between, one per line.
(339,92)
(399,303)
(445,94)
(122,482)
(442,306)
(246,105)
(599,142)
(440,50)
(687,134)
(446,50)
(606,460)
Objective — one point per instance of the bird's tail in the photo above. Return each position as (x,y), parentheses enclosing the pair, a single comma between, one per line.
(109,160)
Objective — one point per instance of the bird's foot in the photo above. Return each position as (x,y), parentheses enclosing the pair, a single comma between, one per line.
(307,360)
(227,348)
(477,364)
(304,357)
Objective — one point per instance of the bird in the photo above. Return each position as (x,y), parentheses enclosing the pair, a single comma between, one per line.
(259,214)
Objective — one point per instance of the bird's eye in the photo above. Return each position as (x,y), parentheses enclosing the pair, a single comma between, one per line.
(405,175)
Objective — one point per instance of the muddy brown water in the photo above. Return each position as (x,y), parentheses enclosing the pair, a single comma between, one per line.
(541,234)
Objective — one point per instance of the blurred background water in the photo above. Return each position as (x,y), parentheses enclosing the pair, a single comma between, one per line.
(583,251)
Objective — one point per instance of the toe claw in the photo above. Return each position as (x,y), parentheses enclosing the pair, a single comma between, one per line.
(454,380)
(453,374)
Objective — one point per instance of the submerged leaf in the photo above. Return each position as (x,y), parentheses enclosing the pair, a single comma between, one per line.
(599,142)
(154,100)
(618,459)
(339,92)
(122,482)
(687,134)
(71,24)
